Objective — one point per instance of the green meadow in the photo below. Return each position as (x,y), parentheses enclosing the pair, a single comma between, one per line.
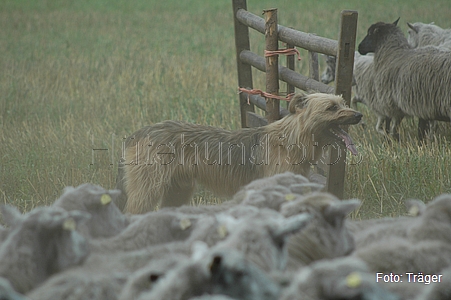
(81,75)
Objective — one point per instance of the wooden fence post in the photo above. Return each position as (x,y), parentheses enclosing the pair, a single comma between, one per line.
(291,66)
(244,70)
(343,82)
(272,65)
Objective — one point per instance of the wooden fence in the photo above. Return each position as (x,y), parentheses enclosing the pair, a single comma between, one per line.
(343,49)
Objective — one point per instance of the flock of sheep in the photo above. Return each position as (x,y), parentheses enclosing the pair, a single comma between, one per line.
(280,237)
(404,77)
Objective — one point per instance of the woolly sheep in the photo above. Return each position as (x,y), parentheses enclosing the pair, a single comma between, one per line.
(7,292)
(106,221)
(41,243)
(341,278)
(110,276)
(416,80)
(80,286)
(144,279)
(421,34)
(365,92)
(150,229)
(264,241)
(326,236)
(219,272)
(401,255)
(431,223)
(285,179)
(212,297)
(438,290)
(414,208)
(268,192)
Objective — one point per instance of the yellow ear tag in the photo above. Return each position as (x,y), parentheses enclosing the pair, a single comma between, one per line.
(105,199)
(185,223)
(414,211)
(290,197)
(353,280)
(69,224)
(222,231)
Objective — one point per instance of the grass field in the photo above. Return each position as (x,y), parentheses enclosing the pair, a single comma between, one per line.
(80,75)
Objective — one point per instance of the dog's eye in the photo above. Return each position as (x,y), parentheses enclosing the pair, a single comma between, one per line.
(333,108)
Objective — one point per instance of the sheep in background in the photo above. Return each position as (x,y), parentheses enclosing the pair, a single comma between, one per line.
(326,236)
(421,34)
(219,272)
(341,278)
(363,75)
(329,73)
(106,219)
(41,243)
(416,80)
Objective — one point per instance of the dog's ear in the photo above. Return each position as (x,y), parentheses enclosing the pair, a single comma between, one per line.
(297,103)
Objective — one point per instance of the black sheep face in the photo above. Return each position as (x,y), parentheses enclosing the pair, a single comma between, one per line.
(376,33)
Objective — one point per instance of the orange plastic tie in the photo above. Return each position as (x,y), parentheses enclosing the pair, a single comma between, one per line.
(264,94)
(289,51)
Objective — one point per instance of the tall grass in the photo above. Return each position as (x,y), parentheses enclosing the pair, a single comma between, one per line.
(80,75)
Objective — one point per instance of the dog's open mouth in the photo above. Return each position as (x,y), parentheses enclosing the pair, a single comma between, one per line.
(344,136)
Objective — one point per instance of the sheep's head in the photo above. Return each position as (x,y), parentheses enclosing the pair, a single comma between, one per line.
(233,275)
(45,241)
(107,220)
(325,236)
(329,73)
(264,241)
(375,36)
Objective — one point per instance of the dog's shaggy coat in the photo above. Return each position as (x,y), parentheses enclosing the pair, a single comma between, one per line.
(162,162)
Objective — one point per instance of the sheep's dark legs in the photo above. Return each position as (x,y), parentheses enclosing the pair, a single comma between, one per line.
(394,128)
(423,128)
(387,124)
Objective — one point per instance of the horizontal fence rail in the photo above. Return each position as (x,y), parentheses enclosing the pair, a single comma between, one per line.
(296,79)
(291,36)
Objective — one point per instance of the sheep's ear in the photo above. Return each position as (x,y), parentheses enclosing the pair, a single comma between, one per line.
(291,225)
(396,22)
(297,103)
(215,264)
(336,212)
(415,207)
(412,27)
(11,215)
